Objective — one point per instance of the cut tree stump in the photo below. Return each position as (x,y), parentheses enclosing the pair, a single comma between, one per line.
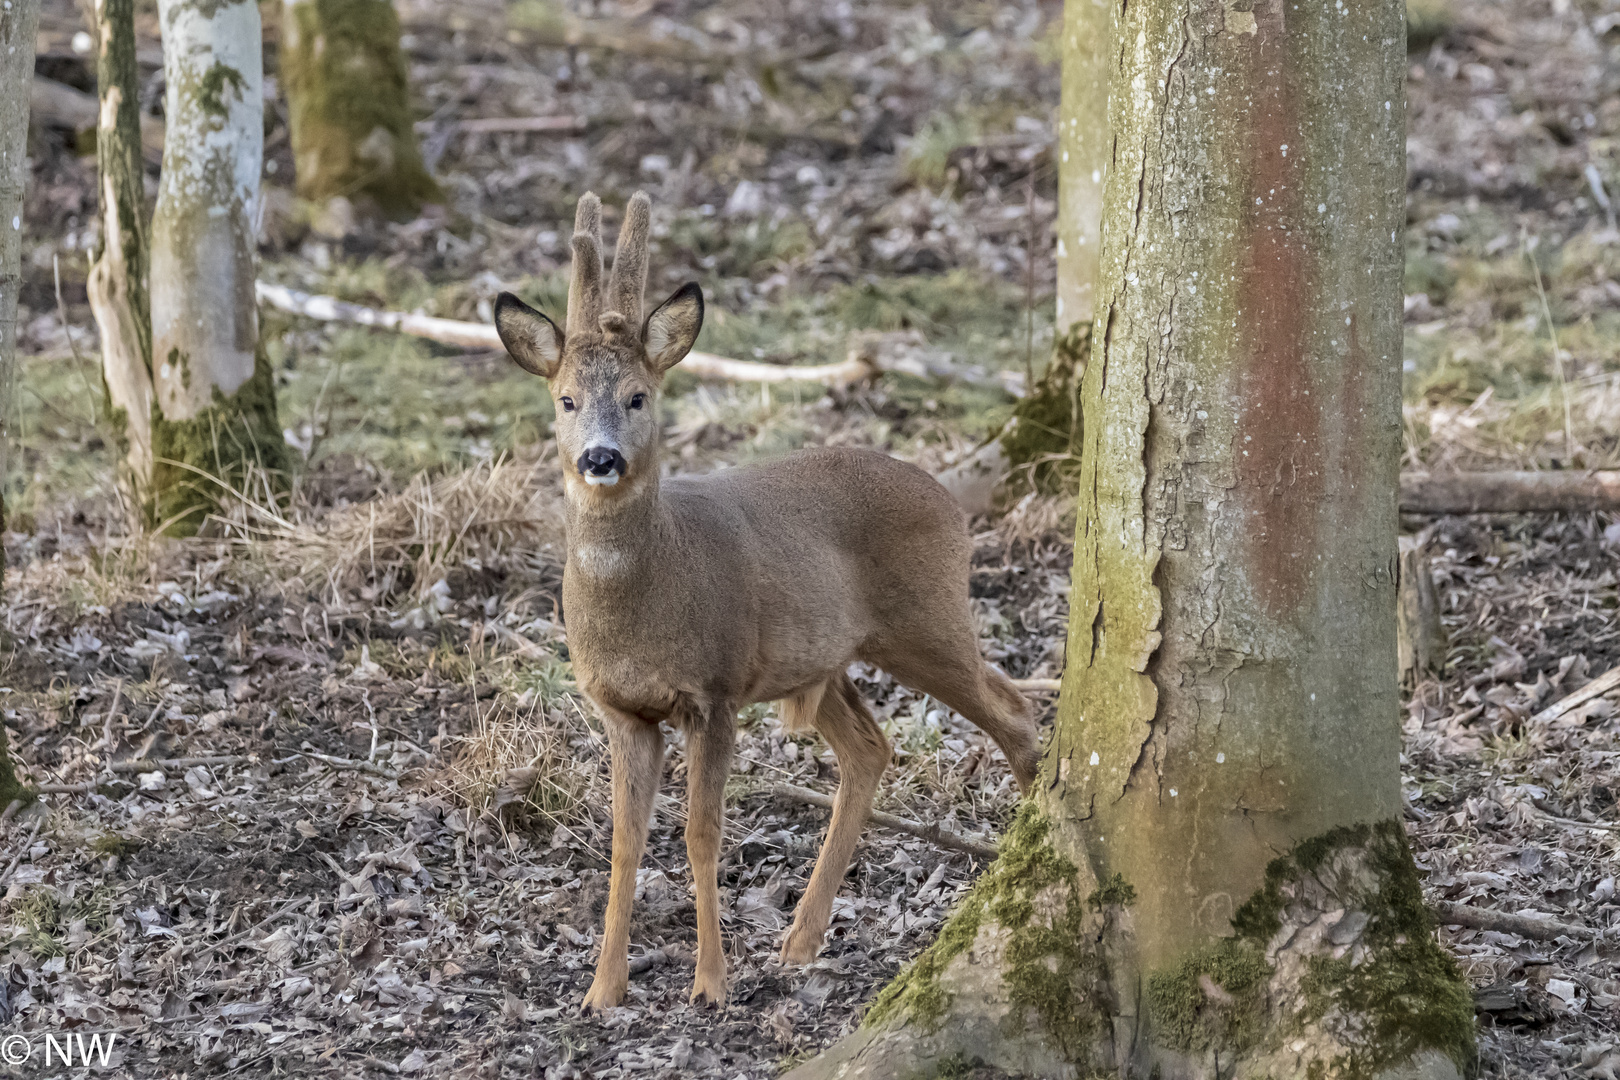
(1420,637)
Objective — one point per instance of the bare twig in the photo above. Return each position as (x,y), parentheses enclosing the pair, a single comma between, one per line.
(1599,686)
(5,878)
(934,834)
(351,765)
(1038,686)
(140,765)
(1530,926)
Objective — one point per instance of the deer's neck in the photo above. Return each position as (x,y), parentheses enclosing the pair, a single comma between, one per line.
(610,543)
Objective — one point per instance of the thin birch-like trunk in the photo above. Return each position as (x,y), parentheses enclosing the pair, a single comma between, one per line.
(1083,151)
(349,105)
(1212,879)
(18,21)
(215,408)
(117,282)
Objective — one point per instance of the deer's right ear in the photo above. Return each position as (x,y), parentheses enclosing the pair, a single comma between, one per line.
(533,340)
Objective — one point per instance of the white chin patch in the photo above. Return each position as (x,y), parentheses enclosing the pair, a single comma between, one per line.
(603,481)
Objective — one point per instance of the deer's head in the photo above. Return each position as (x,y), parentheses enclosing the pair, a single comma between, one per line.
(605,369)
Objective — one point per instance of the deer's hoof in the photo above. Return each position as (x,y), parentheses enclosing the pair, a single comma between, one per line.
(605,993)
(801,946)
(709,988)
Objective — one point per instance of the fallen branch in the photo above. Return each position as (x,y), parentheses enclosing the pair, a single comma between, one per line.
(1599,686)
(493,125)
(470,335)
(934,834)
(869,354)
(1038,686)
(1510,492)
(1530,926)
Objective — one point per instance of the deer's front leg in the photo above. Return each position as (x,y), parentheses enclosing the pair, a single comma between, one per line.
(637,749)
(709,741)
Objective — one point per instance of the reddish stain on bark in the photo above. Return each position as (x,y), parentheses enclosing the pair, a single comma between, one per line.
(1280,425)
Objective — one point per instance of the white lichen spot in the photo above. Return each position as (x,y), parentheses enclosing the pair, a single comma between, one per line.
(1321,208)
(1174,793)
(1220,759)
(1096,759)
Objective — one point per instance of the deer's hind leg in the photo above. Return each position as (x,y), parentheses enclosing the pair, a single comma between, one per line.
(863,753)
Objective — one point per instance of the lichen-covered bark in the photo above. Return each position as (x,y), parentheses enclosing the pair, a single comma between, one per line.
(18,21)
(1083,152)
(349,105)
(117,282)
(1225,755)
(213,411)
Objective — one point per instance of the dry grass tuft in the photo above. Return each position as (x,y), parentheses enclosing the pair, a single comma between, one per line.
(529,753)
(502,512)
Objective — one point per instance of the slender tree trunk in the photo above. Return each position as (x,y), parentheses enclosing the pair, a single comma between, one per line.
(349,104)
(1212,879)
(18,21)
(215,407)
(1083,151)
(117,283)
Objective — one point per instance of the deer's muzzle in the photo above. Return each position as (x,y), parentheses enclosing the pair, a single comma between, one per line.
(602,465)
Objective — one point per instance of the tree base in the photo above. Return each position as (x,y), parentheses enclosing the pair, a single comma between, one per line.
(1333,973)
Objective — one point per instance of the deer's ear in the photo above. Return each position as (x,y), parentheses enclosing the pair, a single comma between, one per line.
(533,340)
(673,327)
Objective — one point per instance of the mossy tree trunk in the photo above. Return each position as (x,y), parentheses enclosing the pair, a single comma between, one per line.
(117,283)
(214,406)
(18,22)
(349,105)
(1212,879)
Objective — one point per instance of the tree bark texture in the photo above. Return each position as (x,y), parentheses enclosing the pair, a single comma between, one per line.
(18,21)
(349,105)
(1083,152)
(117,282)
(1212,879)
(214,413)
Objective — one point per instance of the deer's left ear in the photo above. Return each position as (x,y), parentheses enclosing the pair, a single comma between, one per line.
(672,329)
(533,340)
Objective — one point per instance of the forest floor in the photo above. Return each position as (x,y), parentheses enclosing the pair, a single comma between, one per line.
(374,837)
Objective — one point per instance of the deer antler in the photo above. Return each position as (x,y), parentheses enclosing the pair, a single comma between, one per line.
(628,284)
(585,284)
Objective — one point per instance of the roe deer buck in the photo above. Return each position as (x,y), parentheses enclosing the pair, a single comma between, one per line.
(691,597)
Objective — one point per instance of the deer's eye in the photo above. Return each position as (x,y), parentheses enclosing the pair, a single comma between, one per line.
(568,404)
(638,400)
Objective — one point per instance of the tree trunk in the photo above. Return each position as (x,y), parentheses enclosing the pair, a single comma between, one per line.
(1083,151)
(117,283)
(349,105)
(1212,879)
(18,21)
(215,407)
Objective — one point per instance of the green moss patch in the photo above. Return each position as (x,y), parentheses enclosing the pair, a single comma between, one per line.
(1052,964)
(1406,992)
(1042,442)
(197,462)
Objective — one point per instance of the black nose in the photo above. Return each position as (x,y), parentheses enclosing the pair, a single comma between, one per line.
(601,460)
